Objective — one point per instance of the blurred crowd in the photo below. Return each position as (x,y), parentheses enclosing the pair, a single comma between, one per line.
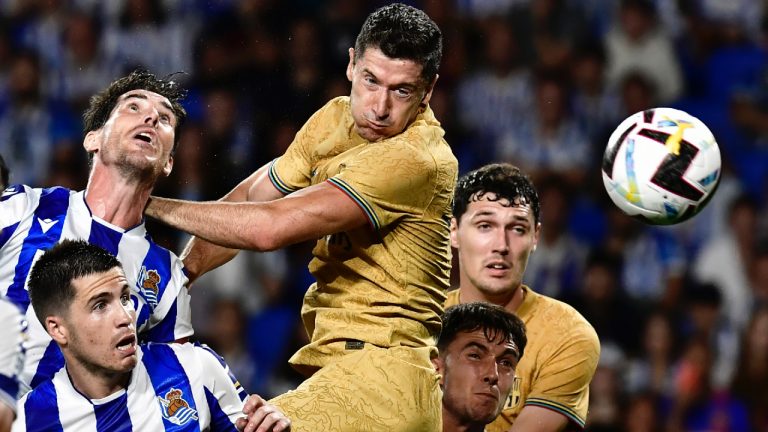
(681,312)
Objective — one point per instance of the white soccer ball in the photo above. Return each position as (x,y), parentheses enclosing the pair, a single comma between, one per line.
(661,166)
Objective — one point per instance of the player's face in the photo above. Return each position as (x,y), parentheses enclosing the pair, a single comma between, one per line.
(477,375)
(494,240)
(386,93)
(100,326)
(138,136)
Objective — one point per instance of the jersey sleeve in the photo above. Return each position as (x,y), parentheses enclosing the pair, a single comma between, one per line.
(15,202)
(388,181)
(223,392)
(293,170)
(563,380)
(12,336)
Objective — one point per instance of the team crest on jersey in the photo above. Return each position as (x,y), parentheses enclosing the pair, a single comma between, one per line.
(175,409)
(149,285)
(514,395)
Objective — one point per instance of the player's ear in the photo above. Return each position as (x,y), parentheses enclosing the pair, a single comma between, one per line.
(428,92)
(55,327)
(536,233)
(351,64)
(91,141)
(454,233)
(168,166)
(439,365)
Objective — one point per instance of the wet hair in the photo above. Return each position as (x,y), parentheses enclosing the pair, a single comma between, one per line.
(403,32)
(102,103)
(50,281)
(505,181)
(5,173)
(493,320)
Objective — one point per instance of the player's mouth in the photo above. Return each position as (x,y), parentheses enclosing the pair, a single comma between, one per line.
(127,344)
(498,268)
(146,135)
(489,395)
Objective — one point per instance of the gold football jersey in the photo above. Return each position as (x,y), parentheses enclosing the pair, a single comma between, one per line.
(557,365)
(383,284)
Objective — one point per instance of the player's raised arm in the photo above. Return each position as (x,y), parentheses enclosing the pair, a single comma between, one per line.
(307,214)
(201,256)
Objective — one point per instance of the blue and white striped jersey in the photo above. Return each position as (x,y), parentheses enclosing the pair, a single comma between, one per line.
(13,330)
(33,220)
(174,387)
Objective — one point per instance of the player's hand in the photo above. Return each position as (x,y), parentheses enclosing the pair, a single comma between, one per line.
(262,417)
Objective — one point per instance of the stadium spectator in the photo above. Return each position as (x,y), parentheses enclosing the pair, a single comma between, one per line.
(638,44)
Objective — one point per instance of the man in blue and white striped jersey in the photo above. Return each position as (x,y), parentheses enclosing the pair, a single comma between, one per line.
(131,131)
(110,382)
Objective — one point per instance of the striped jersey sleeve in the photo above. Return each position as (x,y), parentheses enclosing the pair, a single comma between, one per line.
(34,220)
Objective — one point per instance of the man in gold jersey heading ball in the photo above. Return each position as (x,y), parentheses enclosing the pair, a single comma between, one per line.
(495,228)
(372,178)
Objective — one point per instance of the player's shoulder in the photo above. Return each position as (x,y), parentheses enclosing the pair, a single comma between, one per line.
(560,318)
(40,399)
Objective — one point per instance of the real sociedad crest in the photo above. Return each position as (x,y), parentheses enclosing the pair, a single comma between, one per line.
(148,283)
(175,409)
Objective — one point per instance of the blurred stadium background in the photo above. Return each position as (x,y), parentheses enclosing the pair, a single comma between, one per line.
(682,312)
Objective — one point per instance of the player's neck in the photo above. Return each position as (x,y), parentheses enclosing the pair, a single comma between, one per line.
(116,200)
(96,385)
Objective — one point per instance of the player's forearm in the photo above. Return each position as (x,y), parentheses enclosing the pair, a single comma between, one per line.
(201,256)
(232,225)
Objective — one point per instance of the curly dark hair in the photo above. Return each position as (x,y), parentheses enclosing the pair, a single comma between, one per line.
(102,103)
(403,32)
(492,319)
(503,180)
(50,281)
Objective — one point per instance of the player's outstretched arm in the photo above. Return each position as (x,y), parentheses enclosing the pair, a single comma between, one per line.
(201,256)
(262,417)
(307,214)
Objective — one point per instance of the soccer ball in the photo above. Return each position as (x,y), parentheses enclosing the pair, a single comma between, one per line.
(661,166)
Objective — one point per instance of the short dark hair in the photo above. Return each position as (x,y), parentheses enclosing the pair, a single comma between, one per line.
(403,32)
(102,103)
(5,173)
(50,281)
(492,319)
(504,180)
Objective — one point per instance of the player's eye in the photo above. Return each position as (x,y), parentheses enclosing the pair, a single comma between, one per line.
(99,306)
(165,118)
(125,299)
(133,107)
(403,93)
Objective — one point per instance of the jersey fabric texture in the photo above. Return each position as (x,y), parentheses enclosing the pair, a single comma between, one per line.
(174,387)
(558,364)
(34,220)
(373,389)
(13,334)
(382,285)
